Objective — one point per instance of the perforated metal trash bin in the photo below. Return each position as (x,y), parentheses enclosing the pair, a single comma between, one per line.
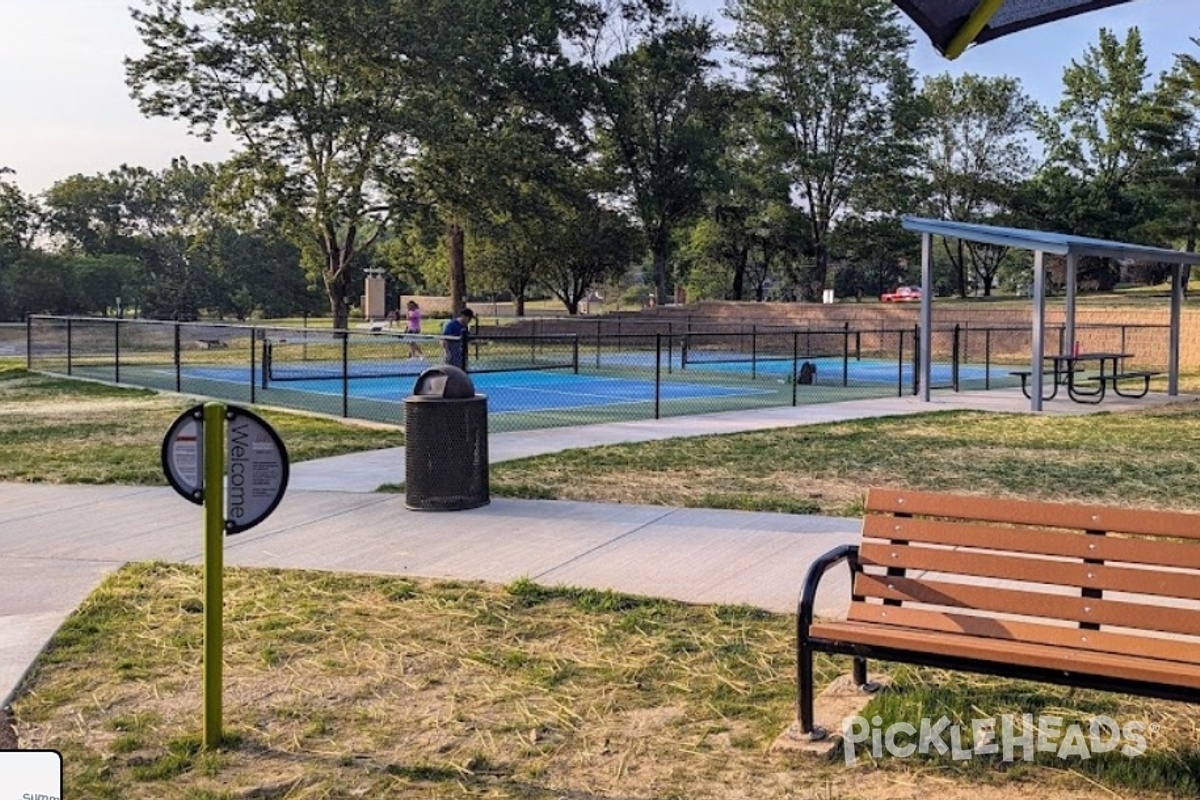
(446,458)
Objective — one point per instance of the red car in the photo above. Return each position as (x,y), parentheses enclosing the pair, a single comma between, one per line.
(903,294)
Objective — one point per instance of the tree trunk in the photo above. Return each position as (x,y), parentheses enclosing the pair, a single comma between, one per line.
(336,285)
(816,274)
(519,304)
(458,268)
(661,254)
(961,267)
(739,275)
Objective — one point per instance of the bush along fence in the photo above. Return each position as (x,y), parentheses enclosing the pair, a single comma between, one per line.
(552,378)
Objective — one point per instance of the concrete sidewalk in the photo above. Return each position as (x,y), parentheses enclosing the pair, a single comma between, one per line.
(58,542)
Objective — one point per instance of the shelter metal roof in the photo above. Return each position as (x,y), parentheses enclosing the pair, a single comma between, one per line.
(1058,243)
(984,20)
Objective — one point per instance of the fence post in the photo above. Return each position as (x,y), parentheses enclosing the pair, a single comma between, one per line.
(917,359)
(987,358)
(116,351)
(253,347)
(575,354)
(900,366)
(29,348)
(657,374)
(178,366)
(954,357)
(794,378)
(753,352)
(346,370)
(845,354)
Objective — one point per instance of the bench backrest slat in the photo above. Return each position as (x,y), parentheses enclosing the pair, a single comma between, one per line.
(1030,604)
(1021,512)
(1033,570)
(1040,542)
(1187,652)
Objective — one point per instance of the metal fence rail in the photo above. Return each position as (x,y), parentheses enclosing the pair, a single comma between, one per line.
(536,380)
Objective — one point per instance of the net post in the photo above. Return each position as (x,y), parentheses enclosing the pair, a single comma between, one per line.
(575,353)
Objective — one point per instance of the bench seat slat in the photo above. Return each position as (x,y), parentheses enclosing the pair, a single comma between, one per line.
(1039,542)
(1033,570)
(996,651)
(1138,616)
(1051,515)
(1183,651)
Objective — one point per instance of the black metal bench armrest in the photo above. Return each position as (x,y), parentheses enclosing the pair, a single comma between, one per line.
(808,594)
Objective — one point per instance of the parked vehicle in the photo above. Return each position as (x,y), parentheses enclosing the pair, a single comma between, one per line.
(903,294)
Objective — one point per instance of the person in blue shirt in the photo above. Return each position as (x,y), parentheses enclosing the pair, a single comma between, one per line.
(453,344)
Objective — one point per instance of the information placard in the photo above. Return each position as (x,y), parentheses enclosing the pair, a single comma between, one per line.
(256,467)
(183,454)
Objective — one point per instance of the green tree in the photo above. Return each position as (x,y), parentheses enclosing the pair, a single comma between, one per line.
(975,157)
(841,103)
(40,283)
(659,117)
(312,91)
(1097,152)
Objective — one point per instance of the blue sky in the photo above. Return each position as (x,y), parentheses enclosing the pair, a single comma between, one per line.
(66,108)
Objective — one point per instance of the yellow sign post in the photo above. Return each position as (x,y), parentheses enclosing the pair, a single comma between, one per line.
(214,567)
(200,446)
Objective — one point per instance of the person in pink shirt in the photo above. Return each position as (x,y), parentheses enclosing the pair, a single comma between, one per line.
(413,325)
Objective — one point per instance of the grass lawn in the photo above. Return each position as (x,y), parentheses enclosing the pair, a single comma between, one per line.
(1137,458)
(348,686)
(56,430)
(344,686)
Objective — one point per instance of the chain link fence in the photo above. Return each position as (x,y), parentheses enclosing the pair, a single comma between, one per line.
(549,377)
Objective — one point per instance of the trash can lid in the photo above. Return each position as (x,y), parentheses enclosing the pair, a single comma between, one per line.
(444,381)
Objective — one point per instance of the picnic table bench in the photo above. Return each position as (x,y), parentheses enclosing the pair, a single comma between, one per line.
(1087,596)
(1069,370)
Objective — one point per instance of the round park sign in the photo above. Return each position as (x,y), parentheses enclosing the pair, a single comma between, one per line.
(256,464)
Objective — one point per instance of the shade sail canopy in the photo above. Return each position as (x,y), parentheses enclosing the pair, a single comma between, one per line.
(1058,243)
(953,24)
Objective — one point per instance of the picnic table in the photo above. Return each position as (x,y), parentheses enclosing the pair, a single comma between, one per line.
(1089,384)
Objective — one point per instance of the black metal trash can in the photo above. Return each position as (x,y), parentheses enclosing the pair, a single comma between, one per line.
(446,448)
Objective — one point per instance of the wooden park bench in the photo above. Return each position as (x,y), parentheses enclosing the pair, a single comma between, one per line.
(1078,595)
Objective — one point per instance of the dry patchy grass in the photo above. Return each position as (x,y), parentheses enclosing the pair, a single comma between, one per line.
(343,686)
(67,431)
(1132,458)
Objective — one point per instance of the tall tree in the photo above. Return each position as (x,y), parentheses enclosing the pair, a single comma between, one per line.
(313,92)
(1096,147)
(841,100)
(975,157)
(659,115)
(1173,134)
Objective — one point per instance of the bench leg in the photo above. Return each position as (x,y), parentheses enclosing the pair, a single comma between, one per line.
(1145,389)
(860,672)
(805,679)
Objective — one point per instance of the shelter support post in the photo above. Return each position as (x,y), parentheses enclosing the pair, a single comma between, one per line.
(1072,279)
(1039,331)
(926,345)
(1176,315)
(980,17)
